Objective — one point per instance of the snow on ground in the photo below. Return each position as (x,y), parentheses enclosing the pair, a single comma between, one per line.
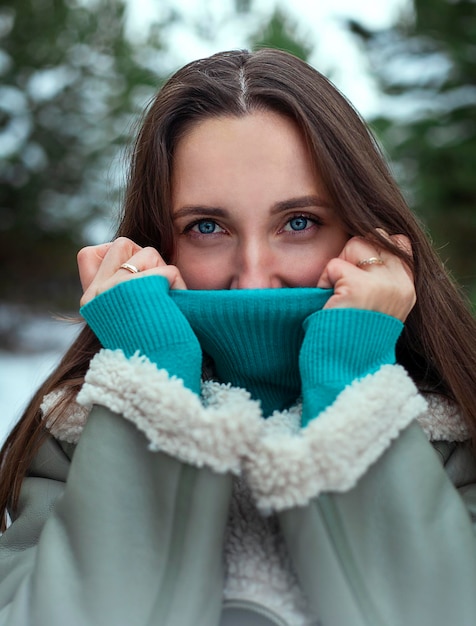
(42,341)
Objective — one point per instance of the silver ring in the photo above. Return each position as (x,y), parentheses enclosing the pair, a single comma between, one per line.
(373,260)
(130,268)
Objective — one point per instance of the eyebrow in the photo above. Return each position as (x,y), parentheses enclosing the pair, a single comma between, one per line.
(188,211)
(303,202)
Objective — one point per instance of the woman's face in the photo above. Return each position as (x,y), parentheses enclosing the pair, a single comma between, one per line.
(248,209)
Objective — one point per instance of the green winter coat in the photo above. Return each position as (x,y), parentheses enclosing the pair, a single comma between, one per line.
(176,511)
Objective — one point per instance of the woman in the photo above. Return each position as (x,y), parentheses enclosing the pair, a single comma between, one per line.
(245,430)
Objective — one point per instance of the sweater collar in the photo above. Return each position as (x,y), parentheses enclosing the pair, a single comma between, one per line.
(254,337)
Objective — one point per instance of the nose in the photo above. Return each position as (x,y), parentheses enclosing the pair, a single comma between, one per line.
(256,268)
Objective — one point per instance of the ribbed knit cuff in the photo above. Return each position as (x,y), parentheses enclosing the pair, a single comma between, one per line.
(341,345)
(139,316)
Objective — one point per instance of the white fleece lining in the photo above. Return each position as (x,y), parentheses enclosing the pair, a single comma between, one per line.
(331,453)
(338,447)
(443,421)
(67,426)
(171,416)
(258,567)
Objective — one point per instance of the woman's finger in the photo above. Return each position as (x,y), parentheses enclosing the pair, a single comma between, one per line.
(98,263)
(120,263)
(170,272)
(356,252)
(120,251)
(89,260)
(366,277)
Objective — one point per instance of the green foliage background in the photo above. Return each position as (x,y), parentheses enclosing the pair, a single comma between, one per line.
(426,67)
(70,82)
(73,82)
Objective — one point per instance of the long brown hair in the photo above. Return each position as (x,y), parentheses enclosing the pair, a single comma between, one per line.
(437,346)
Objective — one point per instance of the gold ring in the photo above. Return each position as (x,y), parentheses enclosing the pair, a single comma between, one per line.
(130,268)
(373,260)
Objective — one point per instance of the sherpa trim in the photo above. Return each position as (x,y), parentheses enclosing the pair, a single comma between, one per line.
(171,416)
(443,421)
(65,424)
(338,447)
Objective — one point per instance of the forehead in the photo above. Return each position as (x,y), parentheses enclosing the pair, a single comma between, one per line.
(229,128)
(260,144)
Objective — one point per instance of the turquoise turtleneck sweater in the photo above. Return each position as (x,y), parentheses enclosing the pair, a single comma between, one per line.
(254,337)
(276,343)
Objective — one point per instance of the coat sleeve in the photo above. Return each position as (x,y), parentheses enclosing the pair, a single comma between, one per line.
(113,538)
(378,532)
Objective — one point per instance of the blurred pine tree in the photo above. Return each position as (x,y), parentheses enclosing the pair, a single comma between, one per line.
(282,32)
(426,67)
(70,84)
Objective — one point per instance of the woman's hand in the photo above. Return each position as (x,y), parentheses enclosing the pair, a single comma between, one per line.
(385,285)
(100,266)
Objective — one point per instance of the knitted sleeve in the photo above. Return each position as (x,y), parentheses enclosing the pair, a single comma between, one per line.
(139,316)
(339,346)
